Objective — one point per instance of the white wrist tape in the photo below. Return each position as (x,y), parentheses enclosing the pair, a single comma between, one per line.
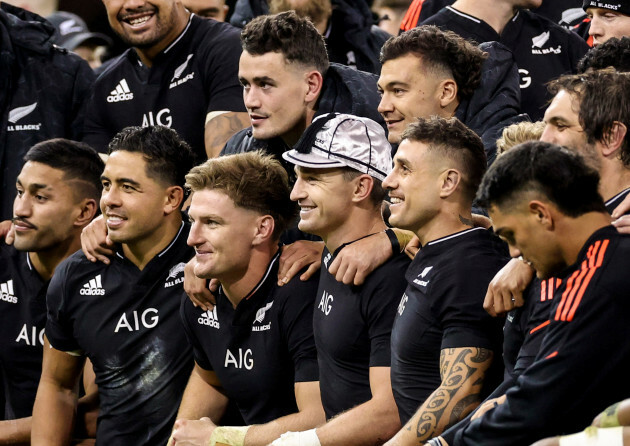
(592,436)
(305,438)
(230,435)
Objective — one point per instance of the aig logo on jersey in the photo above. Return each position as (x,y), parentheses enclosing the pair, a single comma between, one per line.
(120,93)
(540,41)
(260,317)
(420,279)
(173,273)
(325,304)
(177,74)
(6,292)
(209,318)
(403,302)
(93,287)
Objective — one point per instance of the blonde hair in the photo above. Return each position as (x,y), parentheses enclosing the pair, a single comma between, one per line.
(518,133)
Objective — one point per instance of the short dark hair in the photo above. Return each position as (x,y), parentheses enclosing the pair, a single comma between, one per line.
(168,157)
(451,138)
(296,38)
(606,100)
(440,51)
(612,53)
(77,160)
(253,180)
(559,174)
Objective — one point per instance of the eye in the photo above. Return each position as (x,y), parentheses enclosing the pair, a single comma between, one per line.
(20,192)
(128,188)
(41,198)
(399,91)
(106,184)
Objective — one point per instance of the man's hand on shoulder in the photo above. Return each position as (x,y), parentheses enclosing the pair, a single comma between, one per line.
(199,290)
(505,291)
(356,261)
(7,231)
(95,242)
(297,256)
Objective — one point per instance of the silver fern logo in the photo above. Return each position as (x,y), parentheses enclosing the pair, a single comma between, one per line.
(21,112)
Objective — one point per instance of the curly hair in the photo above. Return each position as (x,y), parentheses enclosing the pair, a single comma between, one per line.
(287,33)
(612,53)
(452,139)
(518,133)
(441,51)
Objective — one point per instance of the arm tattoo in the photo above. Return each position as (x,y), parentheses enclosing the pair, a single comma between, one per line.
(462,371)
(221,128)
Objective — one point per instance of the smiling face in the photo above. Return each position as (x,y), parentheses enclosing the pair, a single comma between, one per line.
(408,92)
(324,196)
(44,209)
(222,235)
(606,23)
(147,25)
(132,203)
(414,186)
(274,93)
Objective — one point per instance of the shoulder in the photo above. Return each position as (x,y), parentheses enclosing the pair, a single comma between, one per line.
(297,290)
(241,141)
(212,34)
(390,275)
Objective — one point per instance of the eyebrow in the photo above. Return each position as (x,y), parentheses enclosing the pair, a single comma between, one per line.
(33,186)
(395,84)
(122,180)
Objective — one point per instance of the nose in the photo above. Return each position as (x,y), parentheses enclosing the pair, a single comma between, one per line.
(298,193)
(514,252)
(596,29)
(385,105)
(110,198)
(251,98)
(193,236)
(389,181)
(548,134)
(22,206)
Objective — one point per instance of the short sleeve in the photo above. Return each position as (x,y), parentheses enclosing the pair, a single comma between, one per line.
(186,311)
(59,329)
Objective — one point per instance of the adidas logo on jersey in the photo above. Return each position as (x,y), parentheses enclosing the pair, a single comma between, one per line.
(260,316)
(209,318)
(120,93)
(7,293)
(173,273)
(93,287)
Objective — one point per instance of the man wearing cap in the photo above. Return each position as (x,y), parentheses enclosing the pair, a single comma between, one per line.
(446,350)
(74,35)
(609,18)
(340,163)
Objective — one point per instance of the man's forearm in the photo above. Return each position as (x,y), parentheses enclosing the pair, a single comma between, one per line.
(201,399)
(16,432)
(53,415)
(373,422)
(263,434)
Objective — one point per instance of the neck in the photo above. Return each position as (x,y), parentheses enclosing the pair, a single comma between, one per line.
(46,261)
(576,231)
(615,177)
(293,135)
(449,220)
(142,251)
(360,222)
(238,284)
(148,55)
(495,13)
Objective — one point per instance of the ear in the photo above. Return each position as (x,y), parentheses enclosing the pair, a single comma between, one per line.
(314,81)
(614,139)
(265,225)
(450,179)
(173,199)
(542,213)
(363,188)
(447,93)
(87,211)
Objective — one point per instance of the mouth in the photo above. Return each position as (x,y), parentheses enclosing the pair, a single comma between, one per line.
(137,19)
(304,209)
(396,200)
(393,122)
(22,225)
(114,221)
(256,119)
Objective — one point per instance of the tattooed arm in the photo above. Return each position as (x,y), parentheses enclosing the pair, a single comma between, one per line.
(462,371)
(220,126)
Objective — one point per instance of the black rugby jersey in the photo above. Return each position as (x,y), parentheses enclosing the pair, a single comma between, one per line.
(127,322)
(196,74)
(22,322)
(583,361)
(352,327)
(443,308)
(542,50)
(260,349)
(616,200)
